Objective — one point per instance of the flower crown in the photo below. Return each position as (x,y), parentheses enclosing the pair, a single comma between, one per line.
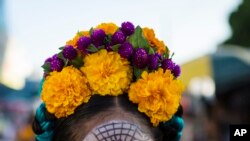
(112,60)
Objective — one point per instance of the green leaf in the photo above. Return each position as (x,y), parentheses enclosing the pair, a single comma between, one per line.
(77,62)
(138,40)
(79,33)
(137,72)
(91,30)
(167,48)
(66,62)
(92,48)
(101,47)
(172,55)
(61,48)
(108,39)
(151,51)
(60,55)
(116,47)
(46,67)
(165,55)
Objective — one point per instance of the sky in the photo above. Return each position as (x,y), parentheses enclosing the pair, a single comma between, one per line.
(190,28)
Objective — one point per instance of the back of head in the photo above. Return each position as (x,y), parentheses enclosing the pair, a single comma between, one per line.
(101,109)
(111,83)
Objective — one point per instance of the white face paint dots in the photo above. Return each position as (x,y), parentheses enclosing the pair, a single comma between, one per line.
(118,130)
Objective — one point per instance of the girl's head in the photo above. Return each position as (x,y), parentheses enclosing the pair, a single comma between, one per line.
(109,118)
(111,83)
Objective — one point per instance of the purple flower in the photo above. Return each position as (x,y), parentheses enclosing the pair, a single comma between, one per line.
(176,71)
(118,38)
(69,52)
(153,61)
(127,28)
(54,56)
(159,56)
(48,60)
(83,43)
(56,64)
(167,64)
(140,58)
(125,50)
(98,36)
(108,48)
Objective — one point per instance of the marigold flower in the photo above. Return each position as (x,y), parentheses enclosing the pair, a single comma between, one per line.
(157,94)
(108,28)
(161,48)
(106,53)
(153,41)
(107,73)
(64,91)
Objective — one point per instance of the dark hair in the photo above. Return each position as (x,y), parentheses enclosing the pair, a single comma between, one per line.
(66,129)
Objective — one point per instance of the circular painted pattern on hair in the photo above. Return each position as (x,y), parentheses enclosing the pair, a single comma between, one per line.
(117,130)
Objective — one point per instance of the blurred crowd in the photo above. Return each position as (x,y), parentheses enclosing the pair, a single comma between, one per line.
(16,112)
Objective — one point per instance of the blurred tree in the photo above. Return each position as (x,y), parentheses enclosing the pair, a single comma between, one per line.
(239,21)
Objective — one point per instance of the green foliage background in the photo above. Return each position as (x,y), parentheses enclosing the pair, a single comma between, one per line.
(239,21)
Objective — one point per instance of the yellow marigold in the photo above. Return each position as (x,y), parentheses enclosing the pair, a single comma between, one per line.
(107,73)
(109,28)
(157,94)
(149,34)
(153,41)
(73,42)
(63,91)
(161,48)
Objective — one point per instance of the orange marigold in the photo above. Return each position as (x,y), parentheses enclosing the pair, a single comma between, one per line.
(153,41)
(107,73)
(63,91)
(109,28)
(157,94)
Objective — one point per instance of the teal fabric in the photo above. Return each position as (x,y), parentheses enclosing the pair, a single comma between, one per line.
(40,87)
(47,126)
(178,137)
(177,123)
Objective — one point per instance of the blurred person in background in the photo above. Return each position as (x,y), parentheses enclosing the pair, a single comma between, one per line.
(218,93)
(231,65)
(5,126)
